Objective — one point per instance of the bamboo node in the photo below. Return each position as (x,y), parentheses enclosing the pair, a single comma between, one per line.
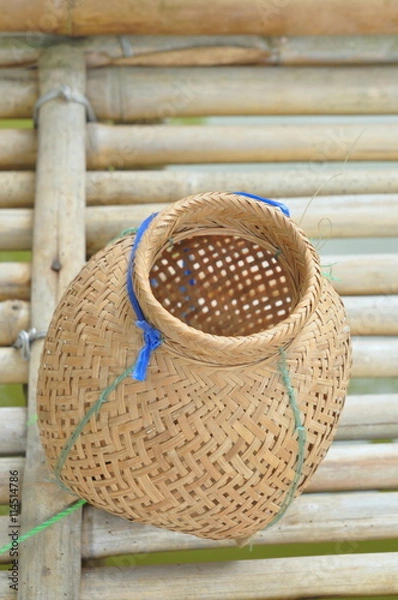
(65,92)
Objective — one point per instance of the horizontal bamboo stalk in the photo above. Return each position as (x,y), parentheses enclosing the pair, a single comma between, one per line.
(129,146)
(128,93)
(13,431)
(15,279)
(357,467)
(371,416)
(344,518)
(346,467)
(17,189)
(358,575)
(14,316)
(19,91)
(375,357)
(130,187)
(13,368)
(137,50)
(151,187)
(367,315)
(321,218)
(143,187)
(267,579)
(126,146)
(363,273)
(372,315)
(18,148)
(134,93)
(94,17)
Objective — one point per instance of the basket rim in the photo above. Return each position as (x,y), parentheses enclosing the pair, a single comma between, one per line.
(207,345)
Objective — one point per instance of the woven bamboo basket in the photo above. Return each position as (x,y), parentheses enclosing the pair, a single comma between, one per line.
(253,352)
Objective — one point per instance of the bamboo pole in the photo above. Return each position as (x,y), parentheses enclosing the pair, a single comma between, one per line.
(241,91)
(267,579)
(363,273)
(147,187)
(14,316)
(304,17)
(206,91)
(138,187)
(15,279)
(126,146)
(17,148)
(372,416)
(16,189)
(13,369)
(13,431)
(367,315)
(345,518)
(322,218)
(52,562)
(25,50)
(372,315)
(16,229)
(18,93)
(350,470)
(365,353)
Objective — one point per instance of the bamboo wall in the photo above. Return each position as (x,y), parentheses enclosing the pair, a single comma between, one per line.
(67,188)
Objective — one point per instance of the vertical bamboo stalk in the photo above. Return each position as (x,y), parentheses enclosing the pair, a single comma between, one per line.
(50,561)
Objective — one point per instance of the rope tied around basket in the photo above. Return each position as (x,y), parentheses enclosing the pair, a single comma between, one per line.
(298,428)
(152,339)
(152,336)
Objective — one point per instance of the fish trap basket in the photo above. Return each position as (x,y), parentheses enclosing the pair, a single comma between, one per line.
(241,398)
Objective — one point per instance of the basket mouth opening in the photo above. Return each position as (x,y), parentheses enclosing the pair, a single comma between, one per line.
(227,284)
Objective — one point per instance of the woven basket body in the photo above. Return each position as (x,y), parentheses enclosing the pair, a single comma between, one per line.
(207,444)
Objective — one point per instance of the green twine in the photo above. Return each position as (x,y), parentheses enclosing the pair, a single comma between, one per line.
(32,420)
(330,275)
(302,437)
(128,231)
(93,410)
(63,513)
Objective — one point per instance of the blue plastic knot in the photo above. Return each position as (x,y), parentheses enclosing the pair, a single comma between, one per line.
(152,340)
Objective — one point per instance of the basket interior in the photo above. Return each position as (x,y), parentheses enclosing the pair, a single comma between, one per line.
(225,284)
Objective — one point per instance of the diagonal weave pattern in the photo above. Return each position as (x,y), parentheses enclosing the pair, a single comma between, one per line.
(206,445)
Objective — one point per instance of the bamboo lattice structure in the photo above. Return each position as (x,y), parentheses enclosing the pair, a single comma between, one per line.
(67,188)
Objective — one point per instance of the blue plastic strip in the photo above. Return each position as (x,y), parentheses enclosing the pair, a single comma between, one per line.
(152,337)
(283,207)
